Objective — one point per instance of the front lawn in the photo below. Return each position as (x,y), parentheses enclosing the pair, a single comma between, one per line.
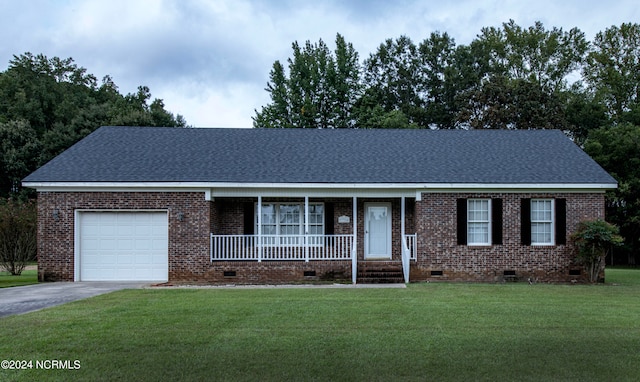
(437,332)
(26,278)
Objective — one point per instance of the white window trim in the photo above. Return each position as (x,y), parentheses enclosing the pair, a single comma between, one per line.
(553,222)
(480,244)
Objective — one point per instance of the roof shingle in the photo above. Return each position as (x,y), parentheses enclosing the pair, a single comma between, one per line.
(145,154)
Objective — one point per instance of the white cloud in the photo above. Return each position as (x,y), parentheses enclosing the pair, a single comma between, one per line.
(210,60)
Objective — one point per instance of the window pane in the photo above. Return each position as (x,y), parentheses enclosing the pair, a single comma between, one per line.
(478,210)
(288,219)
(268,219)
(268,229)
(268,214)
(289,214)
(541,233)
(478,233)
(316,219)
(478,221)
(541,210)
(542,221)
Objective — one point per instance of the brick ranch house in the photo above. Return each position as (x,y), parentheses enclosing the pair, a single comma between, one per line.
(290,205)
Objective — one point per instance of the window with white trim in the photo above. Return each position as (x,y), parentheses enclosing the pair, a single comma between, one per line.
(478,222)
(288,219)
(542,224)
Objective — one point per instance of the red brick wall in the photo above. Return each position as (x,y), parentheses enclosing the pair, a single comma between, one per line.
(433,219)
(438,249)
(188,239)
(276,272)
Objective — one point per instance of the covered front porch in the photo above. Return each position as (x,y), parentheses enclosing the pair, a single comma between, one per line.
(353,231)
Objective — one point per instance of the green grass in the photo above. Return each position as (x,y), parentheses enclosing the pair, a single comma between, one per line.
(438,332)
(26,278)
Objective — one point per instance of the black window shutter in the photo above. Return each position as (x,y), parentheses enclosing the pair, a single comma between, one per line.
(525,221)
(496,221)
(561,221)
(462,221)
(249,218)
(328,219)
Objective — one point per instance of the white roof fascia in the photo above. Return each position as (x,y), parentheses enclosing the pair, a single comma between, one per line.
(321,189)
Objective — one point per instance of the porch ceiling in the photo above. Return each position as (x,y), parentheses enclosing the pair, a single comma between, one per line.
(313,192)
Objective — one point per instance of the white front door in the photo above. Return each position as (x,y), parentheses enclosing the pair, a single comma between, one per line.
(377,231)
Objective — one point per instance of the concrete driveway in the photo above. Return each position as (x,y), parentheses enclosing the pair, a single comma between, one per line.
(24,299)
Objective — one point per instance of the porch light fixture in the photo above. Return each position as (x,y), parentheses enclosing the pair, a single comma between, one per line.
(180,216)
(56,214)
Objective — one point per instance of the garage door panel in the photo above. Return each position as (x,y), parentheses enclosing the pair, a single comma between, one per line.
(91,244)
(125,259)
(126,244)
(143,230)
(91,261)
(161,244)
(143,244)
(123,246)
(157,230)
(108,244)
(125,231)
(143,259)
(107,259)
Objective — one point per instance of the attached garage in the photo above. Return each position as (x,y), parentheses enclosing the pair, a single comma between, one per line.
(122,246)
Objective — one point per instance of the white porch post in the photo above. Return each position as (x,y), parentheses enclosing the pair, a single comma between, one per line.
(259,228)
(354,250)
(402,204)
(306,228)
(405,250)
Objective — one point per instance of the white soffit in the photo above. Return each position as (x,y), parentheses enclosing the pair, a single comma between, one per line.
(312,189)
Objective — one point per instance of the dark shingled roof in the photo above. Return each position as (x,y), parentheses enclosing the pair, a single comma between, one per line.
(146,154)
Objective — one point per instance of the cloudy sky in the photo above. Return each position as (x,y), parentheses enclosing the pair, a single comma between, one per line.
(209,60)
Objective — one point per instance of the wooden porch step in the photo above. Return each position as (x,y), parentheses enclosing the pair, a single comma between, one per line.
(380,272)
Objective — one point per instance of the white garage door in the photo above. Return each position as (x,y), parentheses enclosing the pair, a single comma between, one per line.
(123,246)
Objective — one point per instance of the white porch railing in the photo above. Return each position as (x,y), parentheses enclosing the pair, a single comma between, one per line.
(411,245)
(408,253)
(280,247)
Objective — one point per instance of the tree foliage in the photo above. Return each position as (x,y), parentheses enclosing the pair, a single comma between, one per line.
(612,71)
(509,77)
(48,104)
(617,149)
(524,77)
(593,240)
(318,91)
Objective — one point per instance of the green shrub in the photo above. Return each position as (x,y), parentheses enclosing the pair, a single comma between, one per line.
(593,239)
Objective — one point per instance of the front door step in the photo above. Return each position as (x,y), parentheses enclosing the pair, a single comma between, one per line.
(380,272)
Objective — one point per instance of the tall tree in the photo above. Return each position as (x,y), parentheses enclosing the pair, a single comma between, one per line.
(347,84)
(277,114)
(612,71)
(46,105)
(317,92)
(524,77)
(441,80)
(19,154)
(394,82)
(617,150)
